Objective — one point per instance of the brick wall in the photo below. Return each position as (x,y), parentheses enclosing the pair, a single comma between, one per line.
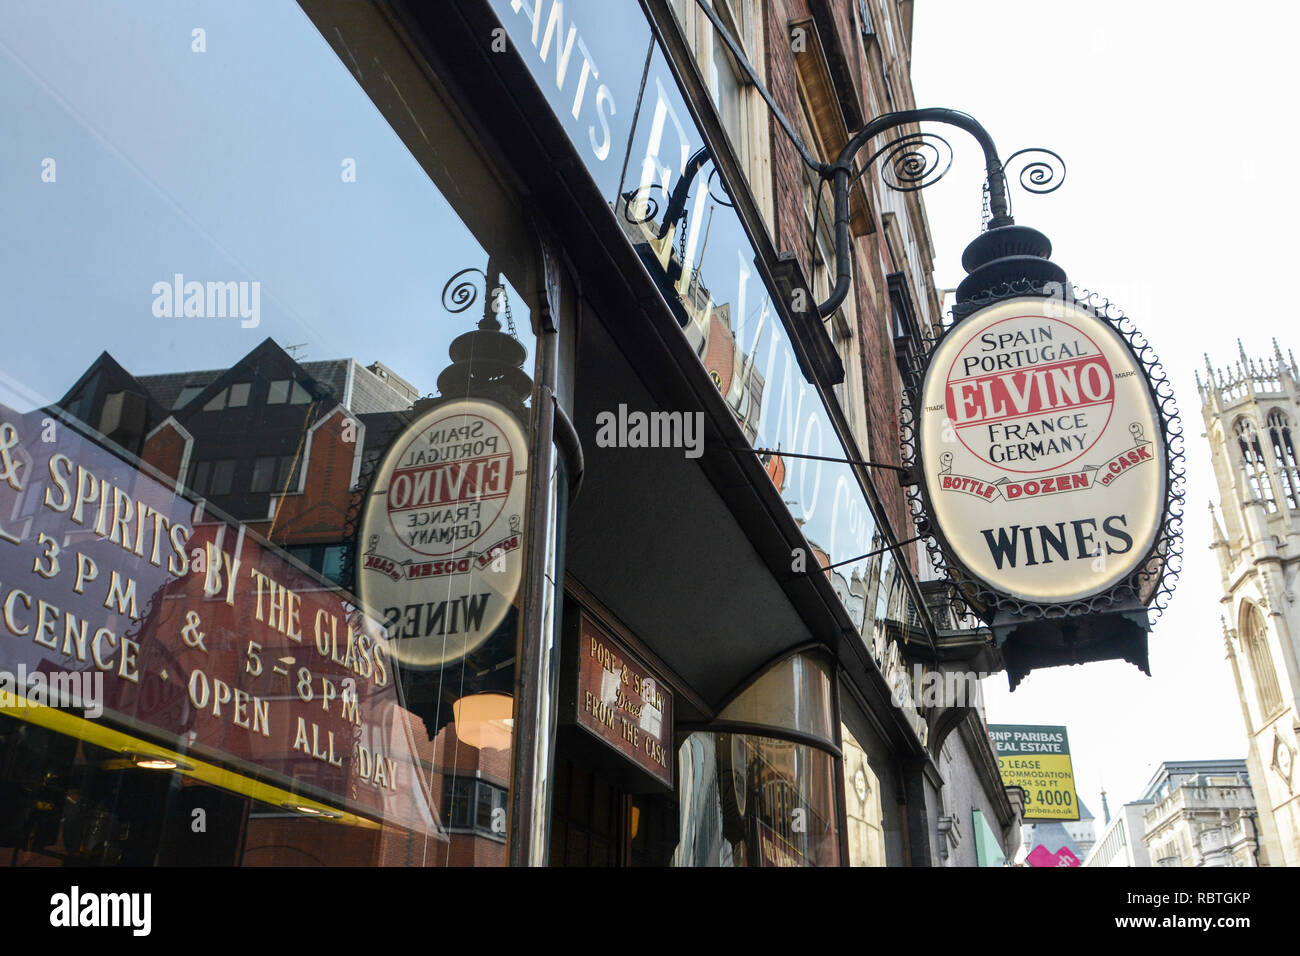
(165,450)
(787,167)
(318,515)
(883,388)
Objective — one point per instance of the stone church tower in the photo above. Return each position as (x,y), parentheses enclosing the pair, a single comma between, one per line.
(1252,421)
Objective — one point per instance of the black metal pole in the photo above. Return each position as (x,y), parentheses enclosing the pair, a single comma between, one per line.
(791,454)
(869,554)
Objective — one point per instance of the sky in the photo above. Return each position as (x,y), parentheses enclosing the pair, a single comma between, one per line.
(1173,123)
(232,170)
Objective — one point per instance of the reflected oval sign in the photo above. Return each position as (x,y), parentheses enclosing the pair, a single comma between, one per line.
(441,536)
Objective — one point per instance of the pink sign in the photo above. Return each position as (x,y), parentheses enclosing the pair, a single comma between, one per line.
(1042,856)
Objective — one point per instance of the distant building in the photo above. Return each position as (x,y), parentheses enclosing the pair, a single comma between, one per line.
(1200,813)
(1083,831)
(1121,842)
(1250,411)
(1048,843)
(1057,843)
(250,439)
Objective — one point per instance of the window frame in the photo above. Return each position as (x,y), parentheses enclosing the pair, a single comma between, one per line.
(745,21)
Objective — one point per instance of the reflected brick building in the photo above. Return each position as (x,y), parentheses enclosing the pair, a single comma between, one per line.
(279,448)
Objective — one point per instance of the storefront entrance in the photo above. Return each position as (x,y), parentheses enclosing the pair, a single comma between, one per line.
(595,822)
(613,801)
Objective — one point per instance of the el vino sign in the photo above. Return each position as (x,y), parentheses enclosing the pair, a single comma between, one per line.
(442,532)
(1042,450)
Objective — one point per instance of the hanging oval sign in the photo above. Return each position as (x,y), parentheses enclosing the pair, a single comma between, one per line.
(441,531)
(1042,449)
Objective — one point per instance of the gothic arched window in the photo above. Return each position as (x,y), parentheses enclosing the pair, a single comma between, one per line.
(1252,460)
(1288,469)
(1254,642)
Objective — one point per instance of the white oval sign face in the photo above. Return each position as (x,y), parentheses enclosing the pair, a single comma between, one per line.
(1042,450)
(442,531)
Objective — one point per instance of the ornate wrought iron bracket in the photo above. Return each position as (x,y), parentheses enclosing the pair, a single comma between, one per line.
(912,160)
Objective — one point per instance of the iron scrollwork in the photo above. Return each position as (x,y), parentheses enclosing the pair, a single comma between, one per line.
(1042,175)
(1040,171)
(640,207)
(913,161)
(460,293)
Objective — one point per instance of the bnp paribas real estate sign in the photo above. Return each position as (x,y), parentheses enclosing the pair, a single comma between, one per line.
(1037,759)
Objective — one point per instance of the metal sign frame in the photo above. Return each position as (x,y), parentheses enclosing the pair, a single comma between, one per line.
(1152,582)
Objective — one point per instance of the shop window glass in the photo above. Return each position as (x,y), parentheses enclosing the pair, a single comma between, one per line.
(653,168)
(755,801)
(475,805)
(330,559)
(276,474)
(873,815)
(458,801)
(864,811)
(200,476)
(316,721)
(794,694)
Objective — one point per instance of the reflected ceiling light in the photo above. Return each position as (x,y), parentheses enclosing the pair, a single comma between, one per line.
(310,811)
(485,721)
(156,762)
(126,746)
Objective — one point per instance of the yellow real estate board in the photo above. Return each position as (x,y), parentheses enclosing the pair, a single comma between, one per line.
(1037,759)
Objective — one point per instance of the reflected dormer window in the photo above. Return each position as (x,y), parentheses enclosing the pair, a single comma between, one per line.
(187,395)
